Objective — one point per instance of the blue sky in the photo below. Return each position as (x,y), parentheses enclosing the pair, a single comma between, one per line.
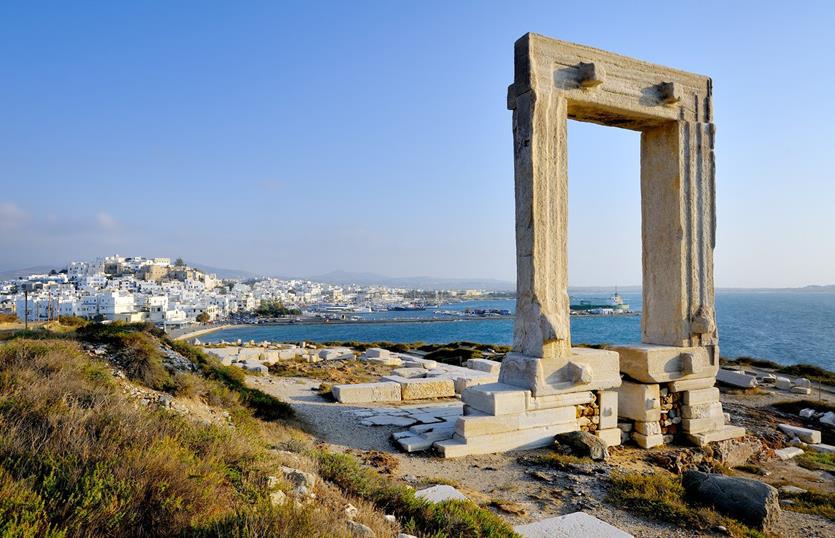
(300,138)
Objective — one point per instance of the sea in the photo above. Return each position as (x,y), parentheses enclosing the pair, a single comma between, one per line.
(781,326)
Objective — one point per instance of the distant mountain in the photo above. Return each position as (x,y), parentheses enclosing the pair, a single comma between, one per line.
(12,274)
(830,287)
(239,274)
(417,282)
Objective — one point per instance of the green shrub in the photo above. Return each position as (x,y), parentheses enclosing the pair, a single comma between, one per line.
(263,405)
(817,461)
(448,518)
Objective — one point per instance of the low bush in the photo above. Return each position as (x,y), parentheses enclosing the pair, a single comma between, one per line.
(263,405)
(817,461)
(811,372)
(8,318)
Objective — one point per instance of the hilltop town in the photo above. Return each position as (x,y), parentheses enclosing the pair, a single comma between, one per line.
(175,295)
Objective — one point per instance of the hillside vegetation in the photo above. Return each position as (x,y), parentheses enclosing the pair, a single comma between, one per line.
(85,452)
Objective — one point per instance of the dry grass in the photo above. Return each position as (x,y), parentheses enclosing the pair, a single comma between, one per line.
(448,518)
(812,502)
(79,458)
(331,372)
(817,461)
(661,496)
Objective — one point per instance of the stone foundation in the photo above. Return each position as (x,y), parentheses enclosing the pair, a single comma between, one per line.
(656,414)
(501,416)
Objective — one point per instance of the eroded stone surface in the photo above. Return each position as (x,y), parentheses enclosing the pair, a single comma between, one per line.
(576,525)
(367,392)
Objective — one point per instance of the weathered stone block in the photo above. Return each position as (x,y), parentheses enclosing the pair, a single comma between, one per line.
(463,383)
(560,400)
(701,396)
(647,441)
(608,402)
(705,410)
(804,434)
(651,363)
(367,392)
(736,379)
(427,388)
(584,369)
(648,428)
(788,452)
(469,426)
(440,493)
(484,365)
(377,352)
(500,442)
(721,434)
(576,525)
(783,383)
(639,401)
(496,398)
(611,436)
(409,373)
(702,425)
(691,384)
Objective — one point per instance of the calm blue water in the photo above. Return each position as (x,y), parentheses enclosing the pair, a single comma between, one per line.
(781,326)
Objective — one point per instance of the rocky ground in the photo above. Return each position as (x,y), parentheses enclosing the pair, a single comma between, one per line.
(522,489)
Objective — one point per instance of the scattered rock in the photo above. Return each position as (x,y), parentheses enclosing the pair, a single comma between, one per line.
(736,379)
(390,518)
(278,498)
(584,444)
(570,526)
(791,490)
(358,529)
(828,418)
(351,511)
(788,452)
(804,434)
(299,478)
(807,413)
(439,493)
(736,452)
(749,501)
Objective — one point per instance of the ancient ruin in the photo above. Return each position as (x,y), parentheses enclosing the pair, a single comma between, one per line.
(545,385)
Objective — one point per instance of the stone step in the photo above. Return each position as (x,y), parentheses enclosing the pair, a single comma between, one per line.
(497,398)
(727,432)
(484,365)
(471,425)
(500,442)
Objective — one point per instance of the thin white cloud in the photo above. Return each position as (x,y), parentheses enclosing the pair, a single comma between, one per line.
(11,216)
(106,222)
